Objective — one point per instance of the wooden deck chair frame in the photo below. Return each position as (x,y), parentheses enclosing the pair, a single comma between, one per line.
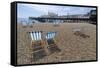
(35,50)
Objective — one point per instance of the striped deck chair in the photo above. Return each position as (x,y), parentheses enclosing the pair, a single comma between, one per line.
(37,45)
(51,45)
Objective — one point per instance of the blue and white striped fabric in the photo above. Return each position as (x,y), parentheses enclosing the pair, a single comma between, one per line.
(35,35)
(50,35)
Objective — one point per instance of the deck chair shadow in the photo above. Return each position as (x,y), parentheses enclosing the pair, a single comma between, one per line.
(81,33)
(37,45)
(51,45)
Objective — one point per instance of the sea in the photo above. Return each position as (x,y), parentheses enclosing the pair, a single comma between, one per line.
(20,20)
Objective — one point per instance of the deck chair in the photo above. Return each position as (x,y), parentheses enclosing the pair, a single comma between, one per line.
(37,45)
(51,45)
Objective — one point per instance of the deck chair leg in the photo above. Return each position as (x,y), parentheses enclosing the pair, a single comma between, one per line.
(46,48)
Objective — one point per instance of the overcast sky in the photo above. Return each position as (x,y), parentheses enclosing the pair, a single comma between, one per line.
(35,10)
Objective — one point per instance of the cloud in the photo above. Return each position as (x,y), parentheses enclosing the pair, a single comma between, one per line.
(41,9)
(48,8)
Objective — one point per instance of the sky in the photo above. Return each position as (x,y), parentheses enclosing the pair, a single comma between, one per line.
(35,10)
